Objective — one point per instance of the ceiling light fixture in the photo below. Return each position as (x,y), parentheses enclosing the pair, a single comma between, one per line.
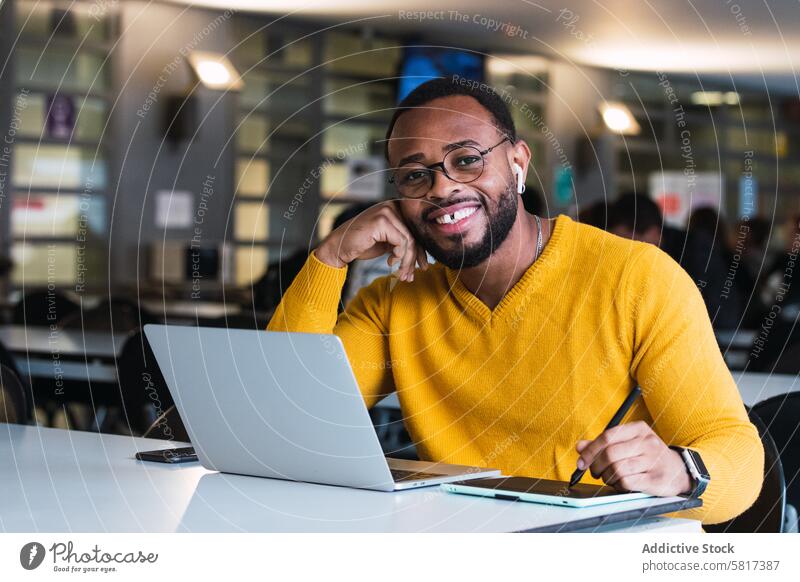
(215,71)
(619,119)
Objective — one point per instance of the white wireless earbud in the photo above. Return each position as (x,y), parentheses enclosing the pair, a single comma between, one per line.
(520,178)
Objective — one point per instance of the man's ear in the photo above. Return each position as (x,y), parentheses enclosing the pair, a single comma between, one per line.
(521,155)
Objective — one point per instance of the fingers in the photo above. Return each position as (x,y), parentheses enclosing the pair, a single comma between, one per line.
(634,482)
(615,454)
(620,470)
(632,457)
(418,254)
(409,251)
(402,243)
(618,434)
(409,259)
(380,229)
(422,257)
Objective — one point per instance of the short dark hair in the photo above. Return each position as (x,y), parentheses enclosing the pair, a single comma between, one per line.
(635,212)
(448,87)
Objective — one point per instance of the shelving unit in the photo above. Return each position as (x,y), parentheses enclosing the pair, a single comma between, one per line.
(312,103)
(274,140)
(360,84)
(720,135)
(58,187)
(292,148)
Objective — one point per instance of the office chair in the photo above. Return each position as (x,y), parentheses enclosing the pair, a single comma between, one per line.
(780,414)
(8,360)
(269,289)
(14,406)
(43,308)
(767,513)
(143,391)
(168,426)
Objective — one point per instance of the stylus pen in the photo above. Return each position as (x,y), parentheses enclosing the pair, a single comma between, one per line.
(626,406)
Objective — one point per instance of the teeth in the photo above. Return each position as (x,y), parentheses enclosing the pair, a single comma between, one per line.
(456,216)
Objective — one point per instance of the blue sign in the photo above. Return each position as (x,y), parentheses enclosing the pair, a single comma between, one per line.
(564,185)
(748,195)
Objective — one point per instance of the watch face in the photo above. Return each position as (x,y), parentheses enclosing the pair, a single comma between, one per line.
(698,463)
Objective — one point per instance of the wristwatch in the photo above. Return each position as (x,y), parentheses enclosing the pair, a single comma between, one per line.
(696,468)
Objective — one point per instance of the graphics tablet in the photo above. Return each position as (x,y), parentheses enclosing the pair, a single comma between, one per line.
(542,491)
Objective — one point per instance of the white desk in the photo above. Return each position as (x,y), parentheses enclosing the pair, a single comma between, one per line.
(72,343)
(755,387)
(72,354)
(67,481)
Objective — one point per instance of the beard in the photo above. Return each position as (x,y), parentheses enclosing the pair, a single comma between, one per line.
(500,216)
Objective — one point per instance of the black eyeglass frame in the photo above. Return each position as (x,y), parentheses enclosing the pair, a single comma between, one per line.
(431,168)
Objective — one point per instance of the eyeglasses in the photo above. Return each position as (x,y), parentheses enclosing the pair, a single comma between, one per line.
(463,165)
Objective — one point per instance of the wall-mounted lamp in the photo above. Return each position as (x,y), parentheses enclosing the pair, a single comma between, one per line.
(715,98)
(215,71)
(618,118)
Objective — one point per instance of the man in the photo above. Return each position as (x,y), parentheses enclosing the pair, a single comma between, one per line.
(516,348)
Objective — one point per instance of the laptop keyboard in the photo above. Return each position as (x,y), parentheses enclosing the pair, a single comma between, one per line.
(400,475)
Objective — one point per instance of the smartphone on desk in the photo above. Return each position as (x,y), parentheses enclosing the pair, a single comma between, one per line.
(542,491)
(172,456)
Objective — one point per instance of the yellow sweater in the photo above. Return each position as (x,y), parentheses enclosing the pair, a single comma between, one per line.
(515,387)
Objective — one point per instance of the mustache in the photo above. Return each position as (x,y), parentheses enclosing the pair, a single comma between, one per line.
(434,206)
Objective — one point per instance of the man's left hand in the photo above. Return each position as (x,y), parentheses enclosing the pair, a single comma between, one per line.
(631,457)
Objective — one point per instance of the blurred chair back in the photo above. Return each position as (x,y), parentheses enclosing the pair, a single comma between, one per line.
(269,289)
(43,308)
(8,360)
(14,406)
(168,426)
(766,515)
(780,415)
(142,387)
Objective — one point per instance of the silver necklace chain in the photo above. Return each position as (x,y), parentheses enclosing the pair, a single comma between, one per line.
(538,237)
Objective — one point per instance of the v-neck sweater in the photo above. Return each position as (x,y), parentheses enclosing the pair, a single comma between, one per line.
(515,387)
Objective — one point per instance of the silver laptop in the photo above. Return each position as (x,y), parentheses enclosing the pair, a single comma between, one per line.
(284,406)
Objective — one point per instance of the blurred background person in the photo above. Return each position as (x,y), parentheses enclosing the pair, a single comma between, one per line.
(782,269)
(739,286)
(594,214)
(757,232)
(778,348)
(638,217)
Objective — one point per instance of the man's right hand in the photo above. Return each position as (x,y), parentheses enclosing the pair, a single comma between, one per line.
(377,231)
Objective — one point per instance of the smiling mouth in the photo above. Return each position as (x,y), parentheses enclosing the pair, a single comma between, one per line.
(457,216)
